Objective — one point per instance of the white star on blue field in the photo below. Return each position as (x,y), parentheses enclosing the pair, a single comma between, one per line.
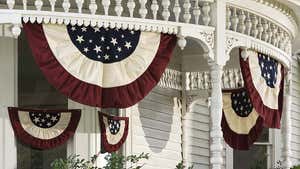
(104,44)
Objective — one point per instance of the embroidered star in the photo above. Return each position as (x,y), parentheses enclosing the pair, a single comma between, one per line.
(116,56)
(114,41)
(73,28)
(128,45)
(102,38)
(97,49)
(106,57)
(54,118)
(119,49)
(107,47)
(86,50)
(83,29)
(43,120)
(80,39)
(99,56)
(36,119)
(91,41)
(48,124)
(122,36)
(97,29)
(132,32)
(47,115)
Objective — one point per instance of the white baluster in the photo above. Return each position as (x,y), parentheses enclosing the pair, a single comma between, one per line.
(275,35)
(143,9)
(106,4)
(206,80)
(38,4)
(234,20)
(248,24)
(270,33)
(177,10)
(10,4)
(228,15)
(265,35)
(166,12)
(279,34)
(25,4)
(66,5)
(93,7)
(231,78)
(260,28)
(187,80)
(282,38)
(187,15)
(254,31)
(241,25)
(206,13)
(196,12)
(118,7)
(154,9)
(79,5)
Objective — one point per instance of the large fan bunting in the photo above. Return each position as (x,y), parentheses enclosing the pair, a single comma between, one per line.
(114,131)
(100,67)
(43,129)
(263,77)
(241,124)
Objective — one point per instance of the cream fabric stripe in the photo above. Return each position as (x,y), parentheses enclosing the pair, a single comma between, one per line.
(94,72)
(240,125)
(44,133)
(269,95)
(114,139)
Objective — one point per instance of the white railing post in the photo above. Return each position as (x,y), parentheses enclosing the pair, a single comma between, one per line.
(154,9)
(166,12)
(118,7)
(143,10)
(131,6)
(106,4)
(228,16)
(79,5)
(38,4)
(254,31)
(206,13)
(25,4)
(234,20)
(196,12)
(187,15)
(241,24)
(10,4)
(93,7)
(177,10)
(66,5)
(52,4)
(248,24)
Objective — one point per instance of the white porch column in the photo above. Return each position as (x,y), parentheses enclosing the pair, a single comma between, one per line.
(8,97)
(216,135)
(286,127)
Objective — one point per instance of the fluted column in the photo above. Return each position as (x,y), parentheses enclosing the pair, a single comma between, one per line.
(216,135)
(286,128)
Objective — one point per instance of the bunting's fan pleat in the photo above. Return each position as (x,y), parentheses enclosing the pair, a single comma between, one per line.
(43,129)
(100,67)
(114,131)
(264,79)
(241,124)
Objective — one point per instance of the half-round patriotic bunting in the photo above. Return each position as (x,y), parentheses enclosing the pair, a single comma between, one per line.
(241,124)
(100,66)
(43,129)
(114,131)
(263,77)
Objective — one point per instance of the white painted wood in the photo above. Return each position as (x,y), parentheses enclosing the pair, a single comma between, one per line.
(38,4)
(8,88)
(10,4)
(66,5)
(79,5)
(196,12)
(106,4)
(52,4)
(187,15)
(143,10)
(206,13)
(118,7)
(93,7)
(177,10)
(166,13)
(131,6)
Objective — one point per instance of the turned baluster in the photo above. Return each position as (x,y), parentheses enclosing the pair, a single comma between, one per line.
(177,10)
(275,34)
(143,9)
(282,39)
(25,4)
(260,28)
(225,79)
(187,15)
(248,24)
(166,12)
(231,78)
(154,8)
(206,80)
(194,81)
(10,4)
(254,31)
(228,15)
(118,7)
(270,33)
(66,5)
(234,20)
(188,81)
(241,24)
(106,4)
(196,12)
(265,35)
(93,7)
(279,36)
(206,13)
(38,4)
(79,5)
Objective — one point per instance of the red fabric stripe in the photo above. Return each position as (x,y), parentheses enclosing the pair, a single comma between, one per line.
(38,143)
(106,145)
(271,117)
(89,94)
